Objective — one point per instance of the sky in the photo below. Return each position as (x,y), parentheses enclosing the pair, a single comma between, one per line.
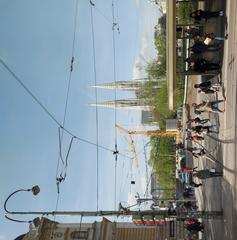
(36,44)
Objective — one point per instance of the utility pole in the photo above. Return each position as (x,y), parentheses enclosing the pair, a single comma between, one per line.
(127,212)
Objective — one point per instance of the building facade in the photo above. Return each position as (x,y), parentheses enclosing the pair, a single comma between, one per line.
(104,230)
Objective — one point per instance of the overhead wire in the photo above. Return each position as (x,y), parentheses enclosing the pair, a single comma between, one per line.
(96,108)
(99,11)
(115,108)
(51,115)
(68,85)
(62,176)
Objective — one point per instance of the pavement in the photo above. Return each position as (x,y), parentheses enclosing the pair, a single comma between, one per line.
(221,193)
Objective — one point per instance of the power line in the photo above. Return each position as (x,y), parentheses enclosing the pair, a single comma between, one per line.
(50,114)
(110,21)
(61,177)
(69,83)
(115,109)
(29,92)
(96,110)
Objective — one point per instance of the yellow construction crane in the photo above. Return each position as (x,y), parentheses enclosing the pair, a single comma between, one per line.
(161,133)
(131,143)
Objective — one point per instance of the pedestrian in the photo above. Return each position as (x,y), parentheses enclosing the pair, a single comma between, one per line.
(206,173)
(188,205)
(208,38)
(200,14)
(200,129)
(192,58)
(187,194)
(207,85)
(191,149)
(210,106)
(197,227)
(200,47)
(201,153)
(193,32)
(179,145)
(195,138)
(202,66)
(190,220)
(198,112)
(198,120)
(214,37)
(196,185)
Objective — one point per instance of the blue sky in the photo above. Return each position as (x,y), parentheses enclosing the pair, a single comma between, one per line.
(36,43)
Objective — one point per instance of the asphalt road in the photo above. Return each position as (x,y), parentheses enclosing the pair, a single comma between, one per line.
(221,193)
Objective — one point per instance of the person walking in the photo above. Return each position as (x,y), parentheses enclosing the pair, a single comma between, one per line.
(206,173)
(211,106)
(196,185)
(200,129)
(195,138)
(198,120)
(192,32)
(201,153)
(202,66)
(197,227)
(207,85)
(200,47)
(200,14)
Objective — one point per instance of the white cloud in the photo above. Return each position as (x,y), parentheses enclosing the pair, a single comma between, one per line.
(146,48)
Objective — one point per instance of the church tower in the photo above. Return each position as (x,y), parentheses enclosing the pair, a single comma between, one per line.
(130,85)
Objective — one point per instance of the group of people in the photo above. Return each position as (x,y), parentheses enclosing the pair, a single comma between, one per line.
(205,106)
(199,125)
(192,224)
(203,42)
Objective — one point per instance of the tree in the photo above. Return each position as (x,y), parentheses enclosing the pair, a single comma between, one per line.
(162,23)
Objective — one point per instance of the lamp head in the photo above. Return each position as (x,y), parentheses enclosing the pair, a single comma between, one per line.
(35,190)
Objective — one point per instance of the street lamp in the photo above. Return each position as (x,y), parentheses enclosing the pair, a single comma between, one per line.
(35,190)
(121,212)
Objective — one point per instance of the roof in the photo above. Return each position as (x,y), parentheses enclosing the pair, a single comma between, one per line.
(21,237)
(171,51)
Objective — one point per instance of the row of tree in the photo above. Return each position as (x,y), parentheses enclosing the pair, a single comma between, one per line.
(162,155)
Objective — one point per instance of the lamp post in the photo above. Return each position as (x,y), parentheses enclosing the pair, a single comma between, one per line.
(121,212)
(35,190)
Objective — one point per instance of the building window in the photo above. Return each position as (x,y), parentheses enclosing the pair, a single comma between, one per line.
(79,235)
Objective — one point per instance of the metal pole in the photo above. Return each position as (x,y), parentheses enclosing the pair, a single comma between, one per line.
(189,73)
(180,1)
(189,25)
(161,213)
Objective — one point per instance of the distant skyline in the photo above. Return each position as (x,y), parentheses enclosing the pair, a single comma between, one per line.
(36,43)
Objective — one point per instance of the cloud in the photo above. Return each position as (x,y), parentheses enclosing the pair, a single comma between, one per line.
(145,55)
(148,17)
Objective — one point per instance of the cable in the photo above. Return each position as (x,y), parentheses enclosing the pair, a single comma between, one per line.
(69,84)
(29,92)
(60,145)
(62,176)
(115,109)
(100,12)
(50,114)
(96,108)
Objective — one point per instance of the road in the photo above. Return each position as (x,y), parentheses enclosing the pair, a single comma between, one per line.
(221,193)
